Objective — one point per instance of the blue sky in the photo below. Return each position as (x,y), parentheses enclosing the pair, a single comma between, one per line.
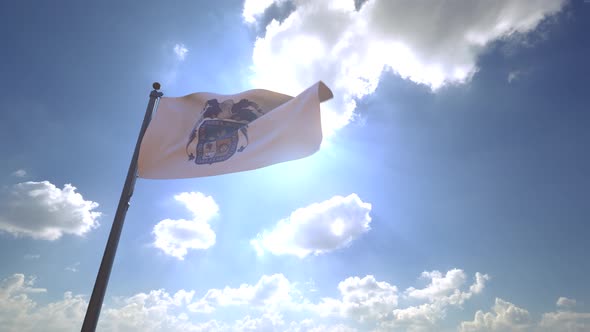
(455,154)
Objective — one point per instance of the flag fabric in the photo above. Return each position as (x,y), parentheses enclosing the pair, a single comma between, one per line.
(205,134)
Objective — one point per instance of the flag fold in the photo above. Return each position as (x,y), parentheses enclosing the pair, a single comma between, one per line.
(205,134)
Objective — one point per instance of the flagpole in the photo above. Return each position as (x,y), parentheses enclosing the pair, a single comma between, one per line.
(102,278)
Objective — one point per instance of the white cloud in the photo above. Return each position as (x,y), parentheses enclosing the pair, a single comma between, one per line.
(253,8)
(377,302)
(513,75)
(73,267)
(156,310)
(564,302)
(308,325)
(180,50)
(176,237)
(267,322)
(318,228)
(18,284)
(201,206)
(441,293)
(507,317)
(265,306)
(269,291)
(565,321)
(14,302)
(42,211)
(362,299)
(439,285)
(32,256)
(504,316)
(431,43)
(19,173)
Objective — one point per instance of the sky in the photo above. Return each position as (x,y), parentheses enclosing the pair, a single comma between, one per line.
(450,192)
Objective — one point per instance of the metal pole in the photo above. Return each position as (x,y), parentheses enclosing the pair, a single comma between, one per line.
(102,278)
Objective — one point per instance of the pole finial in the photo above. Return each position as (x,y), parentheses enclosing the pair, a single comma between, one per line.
(156,86)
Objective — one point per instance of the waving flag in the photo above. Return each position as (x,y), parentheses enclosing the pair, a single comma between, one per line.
(204,134)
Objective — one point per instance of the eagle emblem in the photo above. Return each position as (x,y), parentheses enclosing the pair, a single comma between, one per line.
(221,127)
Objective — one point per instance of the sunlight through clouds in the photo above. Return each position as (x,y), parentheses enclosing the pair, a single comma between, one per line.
(357,46)
(317,229)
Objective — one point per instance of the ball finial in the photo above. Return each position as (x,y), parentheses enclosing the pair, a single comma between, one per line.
(156,86)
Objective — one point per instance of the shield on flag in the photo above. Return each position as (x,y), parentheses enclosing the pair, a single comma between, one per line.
(218,141)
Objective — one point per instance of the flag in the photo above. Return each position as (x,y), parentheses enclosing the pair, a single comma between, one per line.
(205,134)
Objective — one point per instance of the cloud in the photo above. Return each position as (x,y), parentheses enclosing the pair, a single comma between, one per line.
(173,62)
(176,237)
(564,302)
(364,303)
(156,310)
(14,301)
(254,8)
(507,317)
(439,285)
(362,299)
(32,256)
(504,316)
(514,75)
(181,51)
(441,293)
(19,173)
(318,228)
(565,321)
(377,303)
(269,291)
(73,267)
(430,43)
(40,210)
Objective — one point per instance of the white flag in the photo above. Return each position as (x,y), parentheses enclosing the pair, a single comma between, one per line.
(204,134)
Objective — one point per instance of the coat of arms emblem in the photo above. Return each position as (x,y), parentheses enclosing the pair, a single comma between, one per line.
(220,129)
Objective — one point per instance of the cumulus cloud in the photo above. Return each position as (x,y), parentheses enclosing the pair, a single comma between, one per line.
(180,50)
(19,173)
(507,317)
(377,303)
(362,299)
(269,291)
(317,229)
(565,321)
(254,8)
(43,211)
(364,304)
(441,293)
(504,316)
(14,301)
(439,285)
(431,43)
(176,237)
(156,310)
